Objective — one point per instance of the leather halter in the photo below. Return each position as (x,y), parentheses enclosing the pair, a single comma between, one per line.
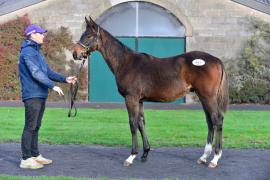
(87,47)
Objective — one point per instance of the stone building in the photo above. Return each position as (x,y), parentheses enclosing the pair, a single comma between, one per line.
(159,27)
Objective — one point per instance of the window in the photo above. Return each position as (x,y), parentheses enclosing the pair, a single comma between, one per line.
(141,19)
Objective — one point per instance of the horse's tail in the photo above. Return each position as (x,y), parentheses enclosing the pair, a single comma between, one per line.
(223,92)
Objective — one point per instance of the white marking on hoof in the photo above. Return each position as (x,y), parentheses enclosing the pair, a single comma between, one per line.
(127,164)
(212,165)
(129,160)
(206,154)
(214,161)
(198,62)
(199,161)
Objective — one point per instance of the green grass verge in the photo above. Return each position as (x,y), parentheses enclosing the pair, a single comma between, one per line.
(242,129)
(6,177)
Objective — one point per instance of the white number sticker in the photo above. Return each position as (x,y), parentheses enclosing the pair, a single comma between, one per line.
(198,62)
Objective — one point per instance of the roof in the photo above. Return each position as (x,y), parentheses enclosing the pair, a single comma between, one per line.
(260,5)
(8,6)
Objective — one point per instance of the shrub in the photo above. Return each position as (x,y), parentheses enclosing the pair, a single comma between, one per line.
(54,49)
(11,36)
(250,74)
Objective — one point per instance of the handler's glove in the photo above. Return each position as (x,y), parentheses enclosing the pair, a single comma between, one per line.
(58,90)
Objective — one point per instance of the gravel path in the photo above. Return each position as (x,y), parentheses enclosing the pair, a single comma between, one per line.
(99,161)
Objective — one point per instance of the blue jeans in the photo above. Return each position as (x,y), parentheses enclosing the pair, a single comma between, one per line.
(34,109)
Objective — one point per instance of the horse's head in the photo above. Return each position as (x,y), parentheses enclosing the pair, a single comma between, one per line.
(88,41)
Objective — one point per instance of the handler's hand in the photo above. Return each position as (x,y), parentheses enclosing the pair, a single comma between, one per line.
(71,79)
(58,90)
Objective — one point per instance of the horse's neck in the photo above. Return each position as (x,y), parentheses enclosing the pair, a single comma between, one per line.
(113,51)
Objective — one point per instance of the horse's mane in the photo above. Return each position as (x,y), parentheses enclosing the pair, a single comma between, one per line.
(122,45)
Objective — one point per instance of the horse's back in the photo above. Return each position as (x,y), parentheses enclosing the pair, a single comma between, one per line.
(208,58)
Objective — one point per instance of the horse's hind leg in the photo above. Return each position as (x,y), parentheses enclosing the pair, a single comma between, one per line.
(214,122)
(208,146)
(133,112)
(218,147)
(146,146)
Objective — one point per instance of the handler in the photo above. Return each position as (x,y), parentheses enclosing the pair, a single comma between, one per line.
(36,78)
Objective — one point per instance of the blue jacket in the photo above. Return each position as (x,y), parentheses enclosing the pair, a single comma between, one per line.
(35,75)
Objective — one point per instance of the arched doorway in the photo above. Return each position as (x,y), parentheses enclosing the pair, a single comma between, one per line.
(142,26)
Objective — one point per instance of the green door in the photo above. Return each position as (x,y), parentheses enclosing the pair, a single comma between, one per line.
(161,47)
(102,85)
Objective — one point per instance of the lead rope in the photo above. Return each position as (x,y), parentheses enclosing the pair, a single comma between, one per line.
(73,91)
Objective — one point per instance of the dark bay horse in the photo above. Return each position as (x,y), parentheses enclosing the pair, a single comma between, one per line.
(141,77)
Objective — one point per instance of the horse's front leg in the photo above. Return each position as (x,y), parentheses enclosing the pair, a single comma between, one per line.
(146,146)
(133,112)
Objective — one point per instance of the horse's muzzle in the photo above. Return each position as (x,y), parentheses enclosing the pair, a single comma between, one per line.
(79,53)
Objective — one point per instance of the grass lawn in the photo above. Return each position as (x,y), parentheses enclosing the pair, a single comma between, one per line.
(4,177)
(242,129)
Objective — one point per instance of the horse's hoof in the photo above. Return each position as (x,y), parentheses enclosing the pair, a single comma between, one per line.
(212,165)
(199,161)
(143,159)
(127,164)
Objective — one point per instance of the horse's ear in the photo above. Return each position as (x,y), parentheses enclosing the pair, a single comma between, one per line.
(87,21)
(92,22)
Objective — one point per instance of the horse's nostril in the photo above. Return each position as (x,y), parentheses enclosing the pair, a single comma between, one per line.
(75,55)
(85,55)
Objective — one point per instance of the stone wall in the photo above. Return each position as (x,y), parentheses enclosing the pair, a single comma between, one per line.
(219,26)
(216,26)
